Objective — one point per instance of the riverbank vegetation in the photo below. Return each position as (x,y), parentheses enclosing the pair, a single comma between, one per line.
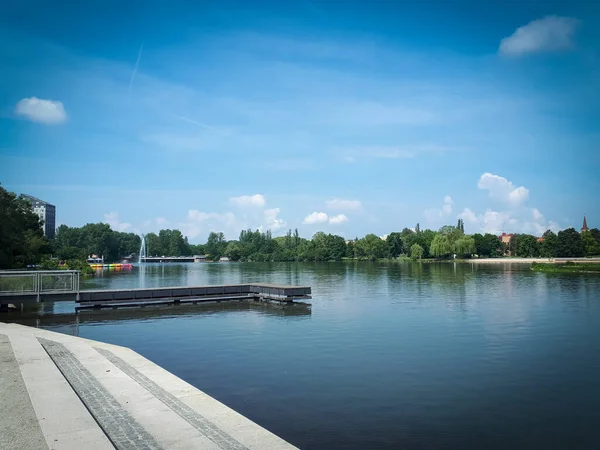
(568,267)
(22,243)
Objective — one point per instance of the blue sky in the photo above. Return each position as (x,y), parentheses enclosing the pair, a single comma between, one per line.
(348,117)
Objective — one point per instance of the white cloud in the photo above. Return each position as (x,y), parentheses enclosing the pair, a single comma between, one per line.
(43,111)
(502,189)
(343,205)
(272,221)
(200,222)
(112,219)
(161,221)
(249,200)
(336,220)
(497,222)
(316,217)
(321,217)
(551,33)
(447,208)
(433,215)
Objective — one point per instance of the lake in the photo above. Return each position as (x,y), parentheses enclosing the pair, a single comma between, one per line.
(407,355)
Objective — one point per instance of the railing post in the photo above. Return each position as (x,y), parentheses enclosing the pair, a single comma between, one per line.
(76,280)
(38,286)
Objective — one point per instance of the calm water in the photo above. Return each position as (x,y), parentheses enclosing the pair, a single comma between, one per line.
(389,356)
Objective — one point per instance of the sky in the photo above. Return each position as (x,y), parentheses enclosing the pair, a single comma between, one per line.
(349,117)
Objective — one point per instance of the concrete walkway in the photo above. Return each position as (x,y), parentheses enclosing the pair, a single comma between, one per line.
(64,392)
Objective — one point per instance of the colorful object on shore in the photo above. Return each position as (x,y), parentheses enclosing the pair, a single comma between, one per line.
(119,266)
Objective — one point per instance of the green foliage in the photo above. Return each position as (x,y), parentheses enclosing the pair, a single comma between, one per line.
(524,246)
(549,244)
(569,244)
(465,246)
(22,240)
(94,238)
(394,244)
(371,247)
(592,248)
(416,251)
(488,245)
(441,246)
(566,267)
(70,264)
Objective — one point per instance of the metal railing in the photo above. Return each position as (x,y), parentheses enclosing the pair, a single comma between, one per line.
(21,282)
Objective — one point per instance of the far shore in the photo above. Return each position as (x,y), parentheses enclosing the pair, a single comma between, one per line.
(510,260)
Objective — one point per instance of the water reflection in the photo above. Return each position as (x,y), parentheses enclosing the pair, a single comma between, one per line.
(402,355)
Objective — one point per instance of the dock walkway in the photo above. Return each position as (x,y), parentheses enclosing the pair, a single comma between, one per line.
(65,392)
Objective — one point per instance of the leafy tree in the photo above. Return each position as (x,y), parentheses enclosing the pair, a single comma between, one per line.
(524,245)
(22,240)
(592,248)
(441,246)
(394,243)
(371,247)
(460,225)
(595,232)
(417,228)
(233,251)
(569,244)
(416,251)
(465,246)
(216,244)
(549,244)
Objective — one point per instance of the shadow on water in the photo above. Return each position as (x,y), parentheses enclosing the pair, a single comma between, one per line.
(43,316)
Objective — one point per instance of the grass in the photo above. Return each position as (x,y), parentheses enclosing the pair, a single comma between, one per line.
(568,267)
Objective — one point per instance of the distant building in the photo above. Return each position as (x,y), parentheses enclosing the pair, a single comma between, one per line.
(505,238)
(46,212)
(584,227)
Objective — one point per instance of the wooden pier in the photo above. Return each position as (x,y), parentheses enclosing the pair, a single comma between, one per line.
(113,298)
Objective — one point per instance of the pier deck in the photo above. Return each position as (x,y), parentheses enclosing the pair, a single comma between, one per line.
(158,295)
(65,392)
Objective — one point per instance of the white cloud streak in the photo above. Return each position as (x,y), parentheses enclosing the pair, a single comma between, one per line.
(135,69)
(551,33)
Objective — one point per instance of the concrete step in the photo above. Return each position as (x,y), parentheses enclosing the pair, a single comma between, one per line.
(63,420)
(137,403)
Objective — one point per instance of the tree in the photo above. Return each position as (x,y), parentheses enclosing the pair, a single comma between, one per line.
(371,247)
(216,244)
(591,246)
(569,244)
(417,228)
(549,244)
(595,232)
(416,251)
(465,246)
(394,243)
(524,245)
(460,225)
(22,240)
(233,251)
(441,246)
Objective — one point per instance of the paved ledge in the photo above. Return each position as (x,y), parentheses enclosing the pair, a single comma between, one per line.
(66,392)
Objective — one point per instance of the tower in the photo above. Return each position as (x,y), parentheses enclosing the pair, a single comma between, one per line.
(584,227)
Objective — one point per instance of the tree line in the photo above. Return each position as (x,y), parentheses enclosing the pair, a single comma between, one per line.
(22,242)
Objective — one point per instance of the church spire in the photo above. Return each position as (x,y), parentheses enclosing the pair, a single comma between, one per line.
(584,227)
